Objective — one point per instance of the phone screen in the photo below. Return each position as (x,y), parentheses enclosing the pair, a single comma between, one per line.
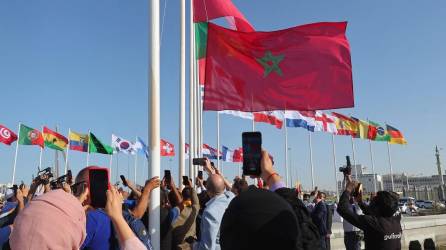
(167,175)
(200,175)
(252,153)
(98,187)
(185,180)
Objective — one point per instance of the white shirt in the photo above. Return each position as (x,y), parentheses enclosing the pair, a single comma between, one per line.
(346,225)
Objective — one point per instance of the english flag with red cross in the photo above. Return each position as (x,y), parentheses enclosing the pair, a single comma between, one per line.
(167,148)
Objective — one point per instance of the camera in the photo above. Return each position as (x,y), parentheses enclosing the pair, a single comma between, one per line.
(58,183)
(348,169)
(44,176)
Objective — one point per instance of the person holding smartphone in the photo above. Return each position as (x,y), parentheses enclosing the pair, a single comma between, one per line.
(100,234)
(381,224)
(217,188)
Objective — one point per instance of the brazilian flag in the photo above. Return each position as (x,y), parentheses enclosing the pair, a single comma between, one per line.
(96,146)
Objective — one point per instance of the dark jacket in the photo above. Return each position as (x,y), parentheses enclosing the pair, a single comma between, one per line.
(379,232)
(319,217)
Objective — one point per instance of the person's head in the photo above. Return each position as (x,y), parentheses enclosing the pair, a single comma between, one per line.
(60,220)
(384,204)
(215,185)
(258,219)
(239,186)
(306,197)
(319,197)
(187,193)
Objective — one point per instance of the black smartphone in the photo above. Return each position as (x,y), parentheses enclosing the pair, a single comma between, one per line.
(185,180)
(124,181)
(200,175)
(252,153)
(199,161)
(99,184)
(167,176)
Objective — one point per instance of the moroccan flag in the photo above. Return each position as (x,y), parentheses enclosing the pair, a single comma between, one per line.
(345,125)
(377,132)
(301,68)
(396,137)
(363,128)
(272,117)
(30,136)
(96,146)
(54,140)
(7,136)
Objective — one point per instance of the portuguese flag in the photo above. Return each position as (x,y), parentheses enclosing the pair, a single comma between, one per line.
(396,137)
(30,136)
(96,146)
(54,140)
(378,132)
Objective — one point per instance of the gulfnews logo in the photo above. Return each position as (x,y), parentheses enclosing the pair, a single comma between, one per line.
(392,236)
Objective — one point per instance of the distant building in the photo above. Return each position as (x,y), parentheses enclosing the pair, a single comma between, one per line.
(402,181)
(365,178)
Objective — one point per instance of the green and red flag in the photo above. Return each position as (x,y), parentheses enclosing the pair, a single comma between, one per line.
(96,146)
(205,11)
(377,132)
(396,137)
(301,68)
(30,136)
(54,140)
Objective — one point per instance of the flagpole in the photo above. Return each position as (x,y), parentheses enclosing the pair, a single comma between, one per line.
(136,160)
(41,152)
(191,95)
(110,165)
(56,158)
(286,158)
(311,159)
(66,154)
(373,165)
(354,158)
(117,167)
(253,125)
(88,148)
(154,122)
(390,165)
(218,141)
(182,132)
(16,152)
(334,166)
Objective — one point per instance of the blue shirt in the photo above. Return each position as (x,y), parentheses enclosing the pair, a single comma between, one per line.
(100,234)
(210,222)
(4,235)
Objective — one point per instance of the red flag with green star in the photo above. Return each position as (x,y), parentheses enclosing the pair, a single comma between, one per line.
(301,68)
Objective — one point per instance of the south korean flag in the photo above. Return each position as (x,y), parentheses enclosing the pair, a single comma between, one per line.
(121,145)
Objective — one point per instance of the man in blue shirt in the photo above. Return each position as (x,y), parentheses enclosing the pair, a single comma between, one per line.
(215,208)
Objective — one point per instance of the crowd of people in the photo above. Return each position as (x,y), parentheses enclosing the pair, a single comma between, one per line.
(212,214)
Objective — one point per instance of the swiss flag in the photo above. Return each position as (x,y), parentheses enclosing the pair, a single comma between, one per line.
(167,148)
(272,117)
(7,136)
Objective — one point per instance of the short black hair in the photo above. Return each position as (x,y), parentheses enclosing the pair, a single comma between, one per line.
(386,203)
(187,193)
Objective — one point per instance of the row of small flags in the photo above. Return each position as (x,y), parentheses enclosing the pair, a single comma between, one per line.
(91,144)
(333,123)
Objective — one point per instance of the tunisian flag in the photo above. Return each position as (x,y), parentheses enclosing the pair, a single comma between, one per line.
(7,136)
(301,68)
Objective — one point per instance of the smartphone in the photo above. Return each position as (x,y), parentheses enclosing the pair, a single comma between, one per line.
(199,161)
(200,175)
(213,165)
(124,181)
(98,184)
(252,153)
(167,175)
(185,180)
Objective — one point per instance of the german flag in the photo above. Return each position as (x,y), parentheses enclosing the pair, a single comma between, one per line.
(396,137)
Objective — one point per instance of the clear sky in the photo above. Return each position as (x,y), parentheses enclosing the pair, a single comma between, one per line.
(84,65)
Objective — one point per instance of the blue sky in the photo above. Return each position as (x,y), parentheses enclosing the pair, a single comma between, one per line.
(84,65)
